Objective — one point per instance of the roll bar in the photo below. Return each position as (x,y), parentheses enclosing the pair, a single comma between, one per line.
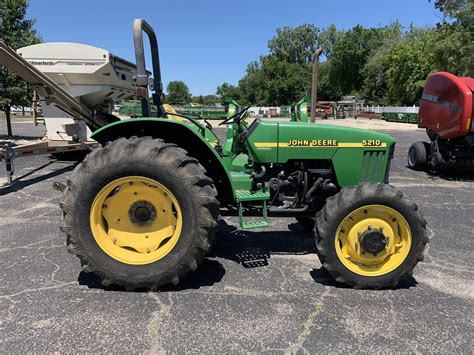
(140,26)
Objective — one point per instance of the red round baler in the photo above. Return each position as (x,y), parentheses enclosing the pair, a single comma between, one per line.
(446,111)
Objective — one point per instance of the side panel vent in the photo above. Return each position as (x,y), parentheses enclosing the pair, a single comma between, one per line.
(373,167)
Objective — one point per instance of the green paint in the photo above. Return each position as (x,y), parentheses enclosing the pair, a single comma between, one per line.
(317,141)
(241,180)
(301,110)
(240,163)
(356,155)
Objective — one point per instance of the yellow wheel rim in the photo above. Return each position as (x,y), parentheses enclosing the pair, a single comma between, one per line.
(136,220)
(389,232)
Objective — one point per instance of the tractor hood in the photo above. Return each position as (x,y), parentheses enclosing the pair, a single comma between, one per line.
(275,141)
(356,154)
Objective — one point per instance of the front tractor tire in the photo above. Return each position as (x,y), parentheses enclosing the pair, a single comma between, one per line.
(139,213)
(370,236)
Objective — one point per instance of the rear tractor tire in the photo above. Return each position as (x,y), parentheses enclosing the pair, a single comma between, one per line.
(418,154)
(370,236)
(139,213)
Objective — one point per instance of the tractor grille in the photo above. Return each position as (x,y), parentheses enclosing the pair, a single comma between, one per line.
(373,167)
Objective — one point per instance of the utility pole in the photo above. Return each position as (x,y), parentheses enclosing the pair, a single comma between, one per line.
(314,84)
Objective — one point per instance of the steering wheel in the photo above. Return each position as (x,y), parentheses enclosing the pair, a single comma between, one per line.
(239,115)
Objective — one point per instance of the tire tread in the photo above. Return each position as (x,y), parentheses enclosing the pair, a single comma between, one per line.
(167,156)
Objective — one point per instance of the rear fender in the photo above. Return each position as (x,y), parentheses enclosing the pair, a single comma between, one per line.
(180,133)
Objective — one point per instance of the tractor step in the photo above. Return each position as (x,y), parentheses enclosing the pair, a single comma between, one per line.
(246,196)
(249,196)
(254,224)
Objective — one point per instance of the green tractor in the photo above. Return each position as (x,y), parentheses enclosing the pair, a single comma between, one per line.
(142,210)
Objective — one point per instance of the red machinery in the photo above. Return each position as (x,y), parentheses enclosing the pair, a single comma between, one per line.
(446,111)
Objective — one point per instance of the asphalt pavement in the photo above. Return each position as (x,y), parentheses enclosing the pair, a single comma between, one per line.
(287,305)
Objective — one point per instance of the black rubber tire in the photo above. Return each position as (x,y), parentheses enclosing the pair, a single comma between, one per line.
(337,207)
(306,222)
(417,157)
(165,163)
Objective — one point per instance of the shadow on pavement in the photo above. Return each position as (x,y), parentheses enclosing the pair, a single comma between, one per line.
(19,184)
(250,249)
(207,274)
(321,276)
(454,175)
(254,248)
(449,175)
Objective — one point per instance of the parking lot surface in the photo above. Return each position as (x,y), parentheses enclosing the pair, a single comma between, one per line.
(289,305)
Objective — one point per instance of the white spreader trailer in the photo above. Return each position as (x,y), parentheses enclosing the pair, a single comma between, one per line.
(76,84)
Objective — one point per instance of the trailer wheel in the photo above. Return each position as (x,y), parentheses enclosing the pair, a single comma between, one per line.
(418,155)
(370,236)
(139,213)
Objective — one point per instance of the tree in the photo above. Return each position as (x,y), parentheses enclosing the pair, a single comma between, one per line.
(211,100)
(452,48)
(375,85)
(461,10)
(178,93)
(410,62)
(284,75)
(295,45)
(273,81)
(198,100)
(454,45)
(352,51)
(326,90)
(17,32)
(228,90)
(284,82)
(252,85)
(328,38)
(206,100)
(385,65)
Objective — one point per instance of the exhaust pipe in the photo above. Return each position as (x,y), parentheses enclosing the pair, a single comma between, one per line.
(314,84)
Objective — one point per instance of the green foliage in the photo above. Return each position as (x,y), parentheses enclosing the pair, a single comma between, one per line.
(178,93)
(453,47)
(328,38)
(251,86)
(295,45)
(227,90)
(198,100)
(351,52)
(17,32)
(284,75)
(284,82)
(395,73)
(410,62)
(326,90)
(274,81)
(374,72)
(384,65)
(206,100)
(460,10)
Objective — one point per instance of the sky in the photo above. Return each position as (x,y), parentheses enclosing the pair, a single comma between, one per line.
(207,42)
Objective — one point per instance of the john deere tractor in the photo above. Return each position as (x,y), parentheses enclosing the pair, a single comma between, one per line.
(142,210)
